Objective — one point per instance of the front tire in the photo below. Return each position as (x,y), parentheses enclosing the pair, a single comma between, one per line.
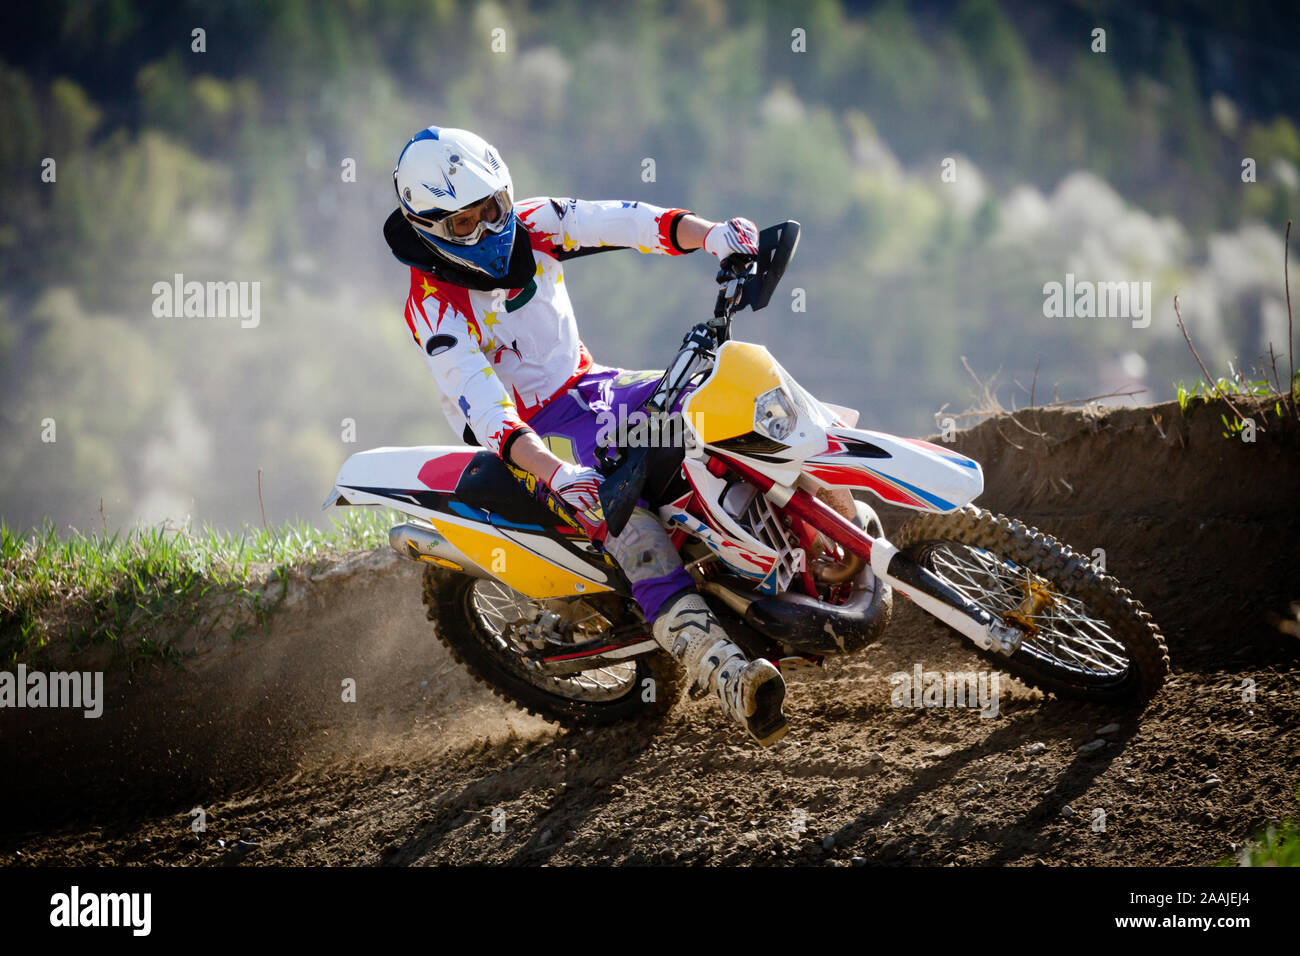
(881,610)
(455,606)
(1085,637)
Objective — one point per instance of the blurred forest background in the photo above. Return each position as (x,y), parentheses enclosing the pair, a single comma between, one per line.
(227,165)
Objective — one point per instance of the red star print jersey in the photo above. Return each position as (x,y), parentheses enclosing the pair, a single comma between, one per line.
(499,356)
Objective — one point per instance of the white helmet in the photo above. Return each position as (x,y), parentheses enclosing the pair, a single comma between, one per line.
(456,193)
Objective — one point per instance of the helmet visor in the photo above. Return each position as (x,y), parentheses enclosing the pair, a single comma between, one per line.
(466,226)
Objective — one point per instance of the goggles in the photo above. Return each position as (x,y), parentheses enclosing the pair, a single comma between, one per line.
(465,227)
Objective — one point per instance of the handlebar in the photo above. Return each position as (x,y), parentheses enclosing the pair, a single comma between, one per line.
(734,272)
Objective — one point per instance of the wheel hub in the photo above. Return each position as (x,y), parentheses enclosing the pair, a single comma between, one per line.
(1038,598)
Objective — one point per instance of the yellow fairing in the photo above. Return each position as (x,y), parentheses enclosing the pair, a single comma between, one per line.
(723,407)
(515,565)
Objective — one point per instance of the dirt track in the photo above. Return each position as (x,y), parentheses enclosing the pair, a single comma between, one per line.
(1204,530)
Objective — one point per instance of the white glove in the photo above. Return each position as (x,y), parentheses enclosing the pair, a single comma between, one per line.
(727,238)
(577,486)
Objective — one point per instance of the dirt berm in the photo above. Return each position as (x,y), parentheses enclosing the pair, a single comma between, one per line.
(1203,529)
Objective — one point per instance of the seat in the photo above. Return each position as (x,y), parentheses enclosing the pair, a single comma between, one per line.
(488,484)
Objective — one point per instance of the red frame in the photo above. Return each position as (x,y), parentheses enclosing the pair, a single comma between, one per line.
(802,509)
(809,509)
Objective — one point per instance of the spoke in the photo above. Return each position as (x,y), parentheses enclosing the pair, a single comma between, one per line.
(1067,634)
(500,609)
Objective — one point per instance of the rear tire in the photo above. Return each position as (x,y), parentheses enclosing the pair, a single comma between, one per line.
(457,624)
(1111,618)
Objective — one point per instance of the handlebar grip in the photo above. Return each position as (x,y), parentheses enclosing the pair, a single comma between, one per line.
(735,266)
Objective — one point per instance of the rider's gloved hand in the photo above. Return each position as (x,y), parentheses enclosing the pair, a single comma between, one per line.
(733,236)
(577,486)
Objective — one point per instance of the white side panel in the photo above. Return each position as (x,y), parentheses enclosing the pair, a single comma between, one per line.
(915,474)
(392,467)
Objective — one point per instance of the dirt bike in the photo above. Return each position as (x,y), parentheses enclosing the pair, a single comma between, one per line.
(523,594)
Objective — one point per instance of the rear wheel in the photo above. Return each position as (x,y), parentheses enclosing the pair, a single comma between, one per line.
(1085,637)
(480,622)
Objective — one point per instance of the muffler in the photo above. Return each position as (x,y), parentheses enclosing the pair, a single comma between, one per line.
(420,541)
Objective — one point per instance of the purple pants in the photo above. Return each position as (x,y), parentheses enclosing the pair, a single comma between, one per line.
(569,426)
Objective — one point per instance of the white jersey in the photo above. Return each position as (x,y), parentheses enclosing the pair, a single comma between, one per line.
(499,356)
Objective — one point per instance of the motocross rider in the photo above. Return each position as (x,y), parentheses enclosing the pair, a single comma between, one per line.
(490,314)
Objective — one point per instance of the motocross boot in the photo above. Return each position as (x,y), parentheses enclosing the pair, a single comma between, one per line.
(751,692)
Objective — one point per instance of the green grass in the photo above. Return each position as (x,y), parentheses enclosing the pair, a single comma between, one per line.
(1276,846)
(1203,391)
(140,589)
(1279,846)
(1236,385)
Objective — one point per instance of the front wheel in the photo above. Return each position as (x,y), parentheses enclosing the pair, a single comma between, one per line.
(480,621)
(1084,636)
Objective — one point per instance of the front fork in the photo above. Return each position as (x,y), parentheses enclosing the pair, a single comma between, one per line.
(923,587)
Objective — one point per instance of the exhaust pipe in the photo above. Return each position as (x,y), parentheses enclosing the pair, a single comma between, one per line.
(421,542)
(830,572)
(737,602)
(797,620)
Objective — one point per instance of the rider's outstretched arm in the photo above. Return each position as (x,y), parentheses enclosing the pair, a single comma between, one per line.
(691,231)
(583,224)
